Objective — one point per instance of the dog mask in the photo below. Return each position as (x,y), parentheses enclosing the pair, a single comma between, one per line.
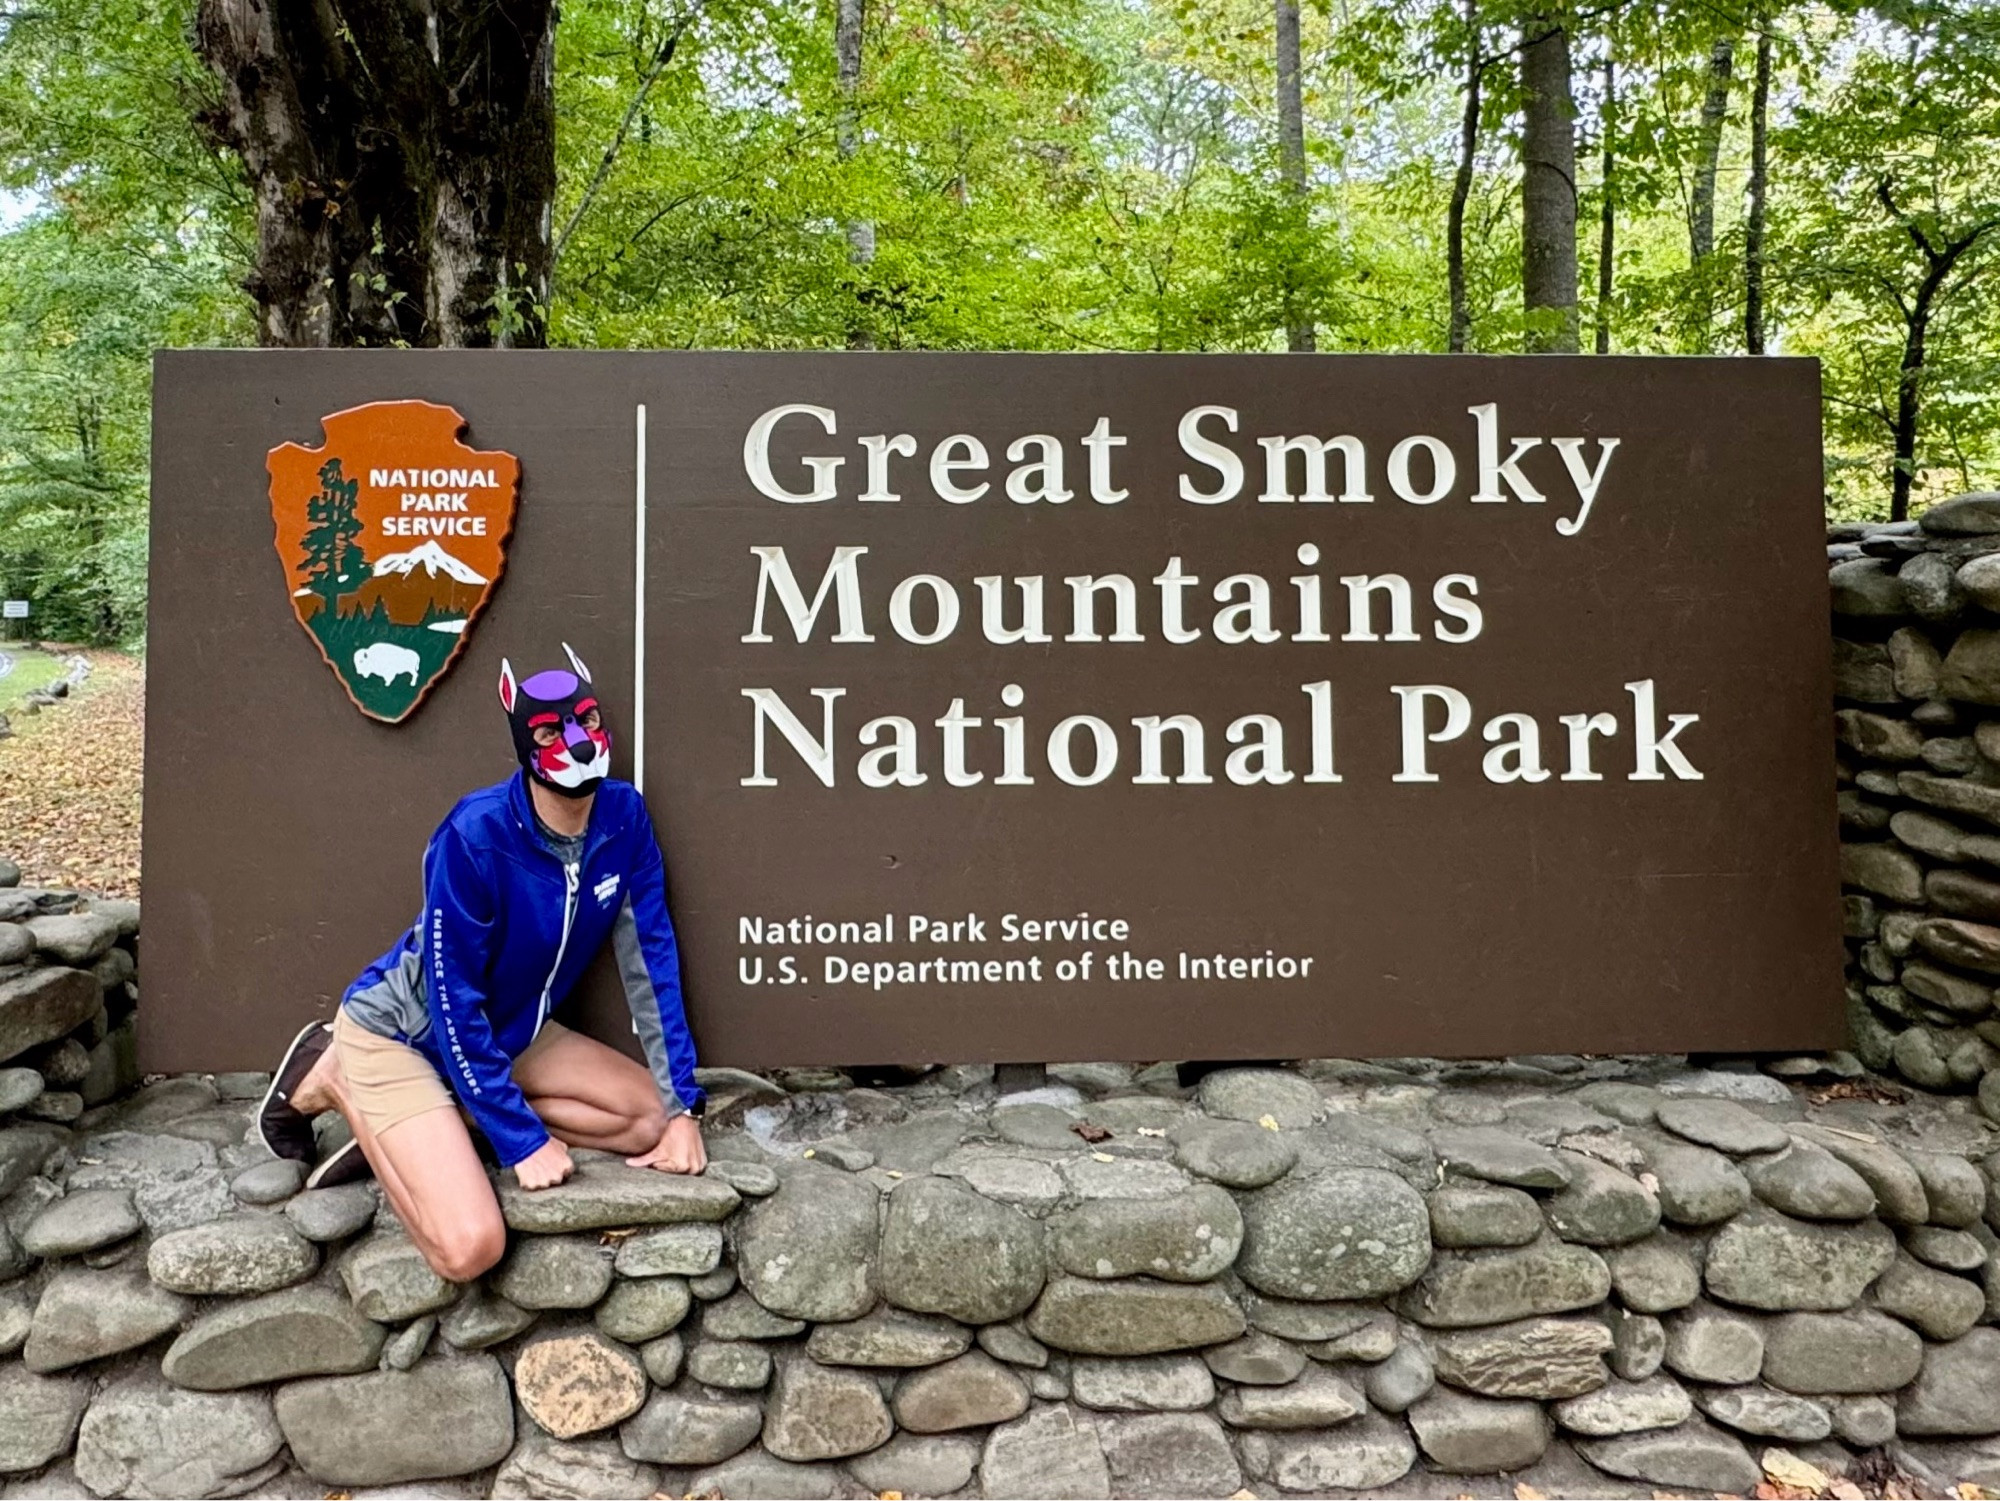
(578,756)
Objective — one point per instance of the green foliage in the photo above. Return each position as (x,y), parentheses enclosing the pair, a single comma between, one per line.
(1044,174)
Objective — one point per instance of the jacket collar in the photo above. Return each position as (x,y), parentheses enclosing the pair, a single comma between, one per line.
(523,812)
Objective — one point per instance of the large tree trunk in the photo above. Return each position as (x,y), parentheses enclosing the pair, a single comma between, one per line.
(1461,186)
(1753,225)
(1607,213)
(1909,396)
(849,18)
(401,158)
(1292,154)
(1548,188)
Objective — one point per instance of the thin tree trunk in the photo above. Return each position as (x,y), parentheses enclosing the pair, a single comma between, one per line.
(1299,333)
(401,161)
(848,22)
(1548,188)
(1607,216)
(1461,186)
(1909,399)
(1753,227)
(1708,152)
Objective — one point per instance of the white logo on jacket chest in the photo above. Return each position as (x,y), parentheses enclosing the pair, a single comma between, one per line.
(605,889)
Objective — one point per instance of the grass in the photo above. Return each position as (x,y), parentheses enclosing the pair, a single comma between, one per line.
(32,670)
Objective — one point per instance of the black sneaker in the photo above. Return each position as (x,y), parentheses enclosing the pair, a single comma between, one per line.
(283,1128)
(346,1165)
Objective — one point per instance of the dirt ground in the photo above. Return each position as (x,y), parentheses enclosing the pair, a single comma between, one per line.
(69,783)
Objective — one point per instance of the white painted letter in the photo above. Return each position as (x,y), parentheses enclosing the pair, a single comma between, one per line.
(1457,719)
(1202,450)
(757,456)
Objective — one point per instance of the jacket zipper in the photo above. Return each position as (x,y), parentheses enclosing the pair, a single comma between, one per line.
(571,884)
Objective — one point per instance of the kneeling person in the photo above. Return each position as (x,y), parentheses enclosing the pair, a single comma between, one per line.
(523,882)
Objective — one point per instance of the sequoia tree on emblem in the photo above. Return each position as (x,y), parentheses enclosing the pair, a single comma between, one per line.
(393,533)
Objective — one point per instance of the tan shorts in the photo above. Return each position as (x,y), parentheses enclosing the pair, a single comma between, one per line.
(390,1082)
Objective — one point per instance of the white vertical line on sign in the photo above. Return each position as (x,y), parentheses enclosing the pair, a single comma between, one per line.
(639,601)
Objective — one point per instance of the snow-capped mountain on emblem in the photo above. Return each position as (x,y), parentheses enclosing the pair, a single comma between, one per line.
(393,534)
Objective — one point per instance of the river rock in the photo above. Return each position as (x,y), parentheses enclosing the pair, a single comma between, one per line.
(1857,1351)
(1899,1189)
(1136,1316)
(1638,1343)
(1468,1288)
(1541,1358)
(1393,1384)
(554,1271)
(1693,1456)
(1319,1398)
(948,1250)
(823,1412)
(1885,869)
(82,1222)
(917,1464)
(481,1319)
(331,1214)
(1658,1274)
(85,1315)
(1190,1238)
(142,1437)
(740,1316)
(1765,1260)
(889,1338)
(542,1467)
(1724,1125)
(1470,1216)
(38,1416)
(302,1331)
(78,938)
(1345,1234)
(19,1087)
(576,1382)
(1766,1413)
(1867,588)
(605,1194)
(1706,1343)
(1940,1305)
(1465,1435)
(1809,1182)
(972,1391)
(43,1004)
(1972,668)
(389,1280)
(1251,1094)
(692,1428)
(1953,1187)
(1365,1454)
(1626,1407)
(238,1256)
(671,1251)
(1947,1250)
(1498,1156)
(1696,1186)
(438,1419)
(1958,1390)
(1236,1154)
(1601,1206)
(1864,1422)
(1257,1359)
(1154,1383)
(1168,1455)
(737,1365)
(1049,1451)
(809,1251)
(643,1308)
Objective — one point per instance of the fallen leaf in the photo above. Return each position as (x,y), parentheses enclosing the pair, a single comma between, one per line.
(1089,1132)
(1966,1490)
(1102,1157)
(888,1496)
(1788,1470)
(1846,1490)
(1268,1122)
(1151,1131)
(810,1153)
(1526,1492)
(1245,1495)
(69,783)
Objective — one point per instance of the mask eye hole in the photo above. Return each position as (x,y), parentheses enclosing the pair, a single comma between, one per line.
(590,719)
(545,729)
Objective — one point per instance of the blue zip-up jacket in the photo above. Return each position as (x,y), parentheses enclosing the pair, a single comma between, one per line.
(507,929)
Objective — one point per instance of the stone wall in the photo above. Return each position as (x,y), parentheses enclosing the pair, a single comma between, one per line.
(1597,1276)
(1916,610)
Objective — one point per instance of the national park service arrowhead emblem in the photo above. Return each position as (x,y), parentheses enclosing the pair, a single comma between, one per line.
(393,534)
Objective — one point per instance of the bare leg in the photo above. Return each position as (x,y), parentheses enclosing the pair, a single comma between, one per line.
(591,1095)
(431,1173)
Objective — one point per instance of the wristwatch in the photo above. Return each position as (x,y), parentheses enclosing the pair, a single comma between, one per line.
(697,1108)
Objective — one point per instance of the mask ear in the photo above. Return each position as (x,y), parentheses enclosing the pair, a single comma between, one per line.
(506,685)
(576,662)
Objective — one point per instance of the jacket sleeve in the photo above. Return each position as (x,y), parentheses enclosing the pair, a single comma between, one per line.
(649,962)
(458,933)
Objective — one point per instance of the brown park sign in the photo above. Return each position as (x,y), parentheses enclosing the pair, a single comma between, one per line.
(1022,707)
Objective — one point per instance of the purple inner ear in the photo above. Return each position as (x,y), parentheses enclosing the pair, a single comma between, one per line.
(555,683)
